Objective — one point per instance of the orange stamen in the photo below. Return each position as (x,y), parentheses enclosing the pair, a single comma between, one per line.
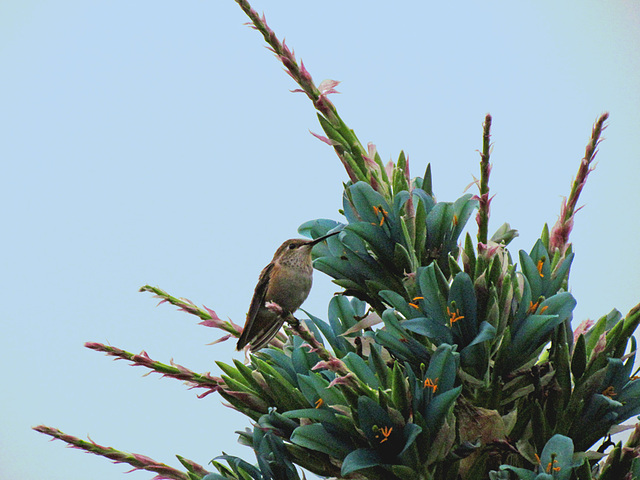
(386,431)
(378,210)
(539,266)
(609,392)
(534,306)
(454,316)
(431,384)
(319,403)
(415,305)
(551,467)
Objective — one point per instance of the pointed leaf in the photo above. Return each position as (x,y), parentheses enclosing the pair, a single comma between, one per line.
(435,332)
(463,294)
(443,367)
(313,386)
(364,198)
(316,437)
(359,367)
(359,459)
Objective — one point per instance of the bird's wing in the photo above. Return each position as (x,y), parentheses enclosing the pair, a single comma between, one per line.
(256,302)
(263,336)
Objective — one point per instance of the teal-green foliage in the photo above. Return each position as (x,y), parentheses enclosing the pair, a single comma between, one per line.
(458,327)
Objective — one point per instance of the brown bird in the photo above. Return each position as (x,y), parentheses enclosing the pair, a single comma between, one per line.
(286,281)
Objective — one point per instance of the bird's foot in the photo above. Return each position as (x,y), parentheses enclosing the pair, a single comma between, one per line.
(273,307)
(291,320)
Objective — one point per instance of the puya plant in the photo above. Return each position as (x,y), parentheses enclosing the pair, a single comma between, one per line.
(442,358)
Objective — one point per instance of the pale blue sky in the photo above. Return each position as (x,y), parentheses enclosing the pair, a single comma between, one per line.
(157,142)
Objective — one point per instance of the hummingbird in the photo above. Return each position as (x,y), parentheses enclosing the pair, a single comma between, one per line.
(286,281)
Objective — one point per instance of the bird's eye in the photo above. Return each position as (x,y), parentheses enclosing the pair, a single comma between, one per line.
(291,246)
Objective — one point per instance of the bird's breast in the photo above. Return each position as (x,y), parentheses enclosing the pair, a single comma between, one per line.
(288,287)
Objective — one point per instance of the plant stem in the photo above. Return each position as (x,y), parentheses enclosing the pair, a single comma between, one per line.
(344,141)
(195,380)
(559,237)
(329,361)
(209,317)
(138,462)
(485,171)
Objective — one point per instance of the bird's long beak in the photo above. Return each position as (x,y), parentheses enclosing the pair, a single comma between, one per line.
(319,239)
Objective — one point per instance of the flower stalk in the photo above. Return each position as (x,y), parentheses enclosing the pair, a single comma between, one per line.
(298,72)
(559,237)
(137,461)
(485,170)
(195,380)
(208,316)
(329,361)
(352,154)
